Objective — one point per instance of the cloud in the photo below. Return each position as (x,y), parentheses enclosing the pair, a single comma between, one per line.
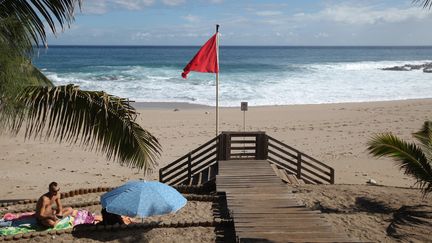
(191,18)
(141,36)
(364,15)
(268,13)
(173,2)
(322,35)
(103,6)
(94,7)
(132,4)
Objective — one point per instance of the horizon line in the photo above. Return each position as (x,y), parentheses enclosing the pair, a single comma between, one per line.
(115,45)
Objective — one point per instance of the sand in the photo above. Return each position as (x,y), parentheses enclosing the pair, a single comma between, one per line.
(335,134)
(365,212)
(194,211)
(372,213)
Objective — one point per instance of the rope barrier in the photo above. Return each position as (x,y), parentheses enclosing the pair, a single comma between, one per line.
(199,198)
(93,228)
(185,189)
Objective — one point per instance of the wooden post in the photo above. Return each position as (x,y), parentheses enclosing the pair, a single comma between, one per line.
(228,146)
(332,179)
(189,168)
(299,159)
(224,146)
(221,147)
(160,176)
(218,147)
(264,146)
(261,146)
(257,146)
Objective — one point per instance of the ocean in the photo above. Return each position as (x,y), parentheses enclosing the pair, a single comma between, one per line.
(259,75)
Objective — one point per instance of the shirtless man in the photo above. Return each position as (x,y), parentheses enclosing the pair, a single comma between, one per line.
(45,214)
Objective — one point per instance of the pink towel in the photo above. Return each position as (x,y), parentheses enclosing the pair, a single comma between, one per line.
(15,216)
(84,217)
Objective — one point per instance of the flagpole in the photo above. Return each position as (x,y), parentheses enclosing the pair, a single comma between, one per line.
(217,81)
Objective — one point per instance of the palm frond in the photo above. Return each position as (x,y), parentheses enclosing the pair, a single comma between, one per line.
(425,133)
(14,37)
(42,79)
(423,3)
(33,13)
(424,136)
(408,156)
(93,119)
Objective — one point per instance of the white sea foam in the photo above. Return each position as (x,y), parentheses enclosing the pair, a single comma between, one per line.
(299,84)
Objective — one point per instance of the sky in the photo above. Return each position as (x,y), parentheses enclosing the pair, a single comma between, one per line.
(249,22)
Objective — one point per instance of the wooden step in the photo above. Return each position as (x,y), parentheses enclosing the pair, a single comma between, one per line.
(286,177)
(264,209)
(293,179)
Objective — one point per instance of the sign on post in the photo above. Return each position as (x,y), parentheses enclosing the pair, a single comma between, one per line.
(244,106)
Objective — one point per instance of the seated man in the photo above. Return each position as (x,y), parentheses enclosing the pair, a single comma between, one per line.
(45,214)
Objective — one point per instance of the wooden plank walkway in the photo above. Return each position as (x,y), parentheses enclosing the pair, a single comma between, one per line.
(264,209)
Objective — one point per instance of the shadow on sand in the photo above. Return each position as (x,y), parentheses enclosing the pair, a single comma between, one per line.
(11,200)
(405,222)
(120,235)
(408,217)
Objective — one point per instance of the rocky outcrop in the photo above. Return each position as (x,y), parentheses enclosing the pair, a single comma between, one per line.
(427,67)
(427,70)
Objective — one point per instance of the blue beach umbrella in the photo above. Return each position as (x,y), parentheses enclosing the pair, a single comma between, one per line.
(143,199)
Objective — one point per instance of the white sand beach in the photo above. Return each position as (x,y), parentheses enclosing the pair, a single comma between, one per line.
(335,134)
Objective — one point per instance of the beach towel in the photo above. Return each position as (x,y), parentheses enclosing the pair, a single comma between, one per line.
(25,223)
(13,216)
(83,217)
(29,224)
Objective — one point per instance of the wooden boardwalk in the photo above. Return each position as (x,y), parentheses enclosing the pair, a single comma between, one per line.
(264,209)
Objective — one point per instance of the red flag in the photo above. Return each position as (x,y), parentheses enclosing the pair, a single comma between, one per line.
(205,60)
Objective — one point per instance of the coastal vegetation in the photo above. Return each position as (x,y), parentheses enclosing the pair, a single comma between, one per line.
(93,119)
(423,3)
(414,159)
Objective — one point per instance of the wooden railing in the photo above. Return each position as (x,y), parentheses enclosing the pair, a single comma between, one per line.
(300,164)
(242,145)
(201,164)
(196,167)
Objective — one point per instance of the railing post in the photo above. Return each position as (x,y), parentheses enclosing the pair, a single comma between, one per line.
(299,160)
(218,147)
(264,147)
(224,146)
(332,179)
(221,147)
(257,146)
(261,146)
(189,168)
(227,146)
